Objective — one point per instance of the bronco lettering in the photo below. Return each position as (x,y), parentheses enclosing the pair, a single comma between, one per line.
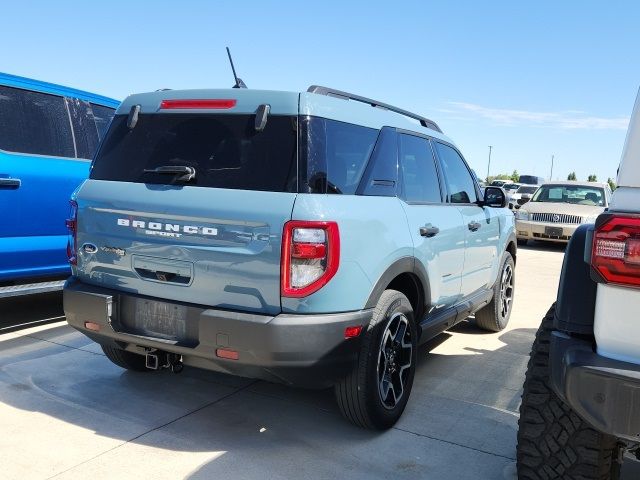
(168,227)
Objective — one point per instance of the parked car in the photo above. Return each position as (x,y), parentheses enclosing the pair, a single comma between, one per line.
(556,209)
(580,408)
(48,136)
(501,183)
(304,238)
(531,179)
(510,189)
(521,196)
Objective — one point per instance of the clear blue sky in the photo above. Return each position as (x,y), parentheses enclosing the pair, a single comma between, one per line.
(530,78)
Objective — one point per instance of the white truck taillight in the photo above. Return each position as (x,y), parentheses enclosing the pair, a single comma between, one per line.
(616,249)
(72,225)
(310,256)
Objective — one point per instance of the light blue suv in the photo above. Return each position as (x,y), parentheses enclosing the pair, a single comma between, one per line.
(311,238)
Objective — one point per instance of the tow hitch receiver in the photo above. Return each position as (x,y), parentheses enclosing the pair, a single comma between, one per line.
(157,360)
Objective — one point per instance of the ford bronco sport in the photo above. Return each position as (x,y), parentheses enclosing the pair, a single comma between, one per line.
(311,238)
(580,407)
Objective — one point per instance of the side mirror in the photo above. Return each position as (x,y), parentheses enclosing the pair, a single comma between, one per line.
(494,197)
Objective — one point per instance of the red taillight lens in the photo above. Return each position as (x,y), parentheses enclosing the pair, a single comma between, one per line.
(215,104)
(72,225)
(310,256)
(616,249)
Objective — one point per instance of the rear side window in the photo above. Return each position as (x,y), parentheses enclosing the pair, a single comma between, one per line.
(459,181)
(225,151)
(89,123)
(381,176)
(333,155)
(102,117)
(419,175)
(34,122)
(85,132)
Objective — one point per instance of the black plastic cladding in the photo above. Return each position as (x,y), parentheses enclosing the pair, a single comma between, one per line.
(577,290)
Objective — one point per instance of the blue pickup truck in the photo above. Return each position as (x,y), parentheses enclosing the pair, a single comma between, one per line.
(48,136)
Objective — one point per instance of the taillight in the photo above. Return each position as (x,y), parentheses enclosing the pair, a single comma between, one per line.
(310,256)
(616,249)
(72,241)
(215,104)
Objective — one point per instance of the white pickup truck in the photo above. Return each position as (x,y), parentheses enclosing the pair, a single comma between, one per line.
(580,407)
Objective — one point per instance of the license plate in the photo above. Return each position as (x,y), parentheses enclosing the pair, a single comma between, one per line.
(553,231)
(159,319)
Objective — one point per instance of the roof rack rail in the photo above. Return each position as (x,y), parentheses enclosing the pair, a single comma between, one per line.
(331,92)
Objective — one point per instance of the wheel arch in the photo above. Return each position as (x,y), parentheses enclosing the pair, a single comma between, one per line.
(576,301)
(407,276)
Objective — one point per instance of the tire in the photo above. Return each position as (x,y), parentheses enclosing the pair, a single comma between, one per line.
(124,359)
(366,397)
(553,441)
(522,242)
(494,317)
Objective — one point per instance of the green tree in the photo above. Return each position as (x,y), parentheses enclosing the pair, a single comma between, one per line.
(572,176)
(515,176)
(592,178)
(611,183)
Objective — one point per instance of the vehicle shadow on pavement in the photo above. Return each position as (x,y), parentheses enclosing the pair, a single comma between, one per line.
(460,422)
(17,312)
(544,246)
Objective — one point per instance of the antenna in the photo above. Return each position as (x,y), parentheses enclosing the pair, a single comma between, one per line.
(239,82)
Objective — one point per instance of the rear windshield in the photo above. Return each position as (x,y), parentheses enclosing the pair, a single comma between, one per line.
(225,150)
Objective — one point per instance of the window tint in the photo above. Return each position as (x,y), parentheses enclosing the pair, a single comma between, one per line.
(89,123)
(459,180)
(419,174)
(336,155)
(102,117)
(225,150)
(85,132)
(381,176)
(33,122)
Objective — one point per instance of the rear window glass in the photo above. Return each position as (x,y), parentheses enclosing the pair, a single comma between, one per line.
(225,150)
(84,127)
(102,116)
(336,155)
(34,122)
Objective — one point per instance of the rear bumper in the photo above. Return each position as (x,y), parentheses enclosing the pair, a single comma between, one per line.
(605,392)
(303,350)
(527,230)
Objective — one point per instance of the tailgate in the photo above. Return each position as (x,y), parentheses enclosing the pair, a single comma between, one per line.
(208,246)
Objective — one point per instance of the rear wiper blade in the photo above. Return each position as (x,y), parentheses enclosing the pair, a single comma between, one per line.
(186,173)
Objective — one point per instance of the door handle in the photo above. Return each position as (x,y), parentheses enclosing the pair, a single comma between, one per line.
(474,226)
(429,231)
(9,182)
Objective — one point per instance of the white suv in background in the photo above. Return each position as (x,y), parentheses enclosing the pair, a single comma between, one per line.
(580,407)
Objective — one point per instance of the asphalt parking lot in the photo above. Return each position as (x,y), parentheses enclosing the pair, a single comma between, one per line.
(67,412)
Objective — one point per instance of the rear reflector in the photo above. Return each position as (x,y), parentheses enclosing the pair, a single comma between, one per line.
(92,326)
(219,104)
(351,332)
(616,249)
(228,354)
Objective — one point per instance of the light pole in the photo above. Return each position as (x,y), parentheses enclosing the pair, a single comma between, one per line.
(551,177)
(489,164)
